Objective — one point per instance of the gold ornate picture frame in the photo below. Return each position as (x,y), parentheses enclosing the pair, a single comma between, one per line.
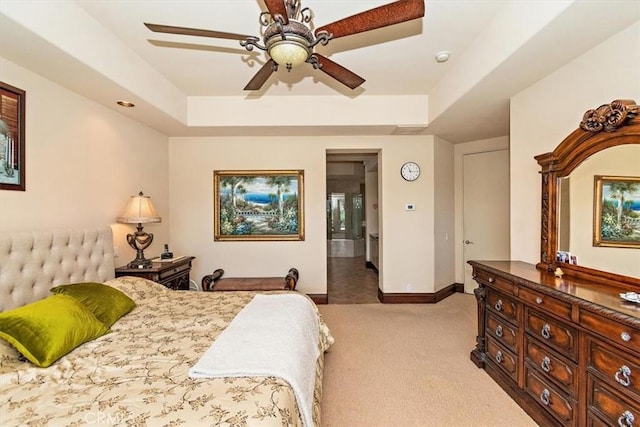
(616,216)
(12,141)
(258,205)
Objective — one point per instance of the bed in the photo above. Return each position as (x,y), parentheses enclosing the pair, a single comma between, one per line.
(139,372)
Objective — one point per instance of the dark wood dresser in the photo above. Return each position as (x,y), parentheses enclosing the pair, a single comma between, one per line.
(566,350)
(173,275)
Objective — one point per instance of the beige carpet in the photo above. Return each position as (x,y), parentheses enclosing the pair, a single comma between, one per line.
(408,365)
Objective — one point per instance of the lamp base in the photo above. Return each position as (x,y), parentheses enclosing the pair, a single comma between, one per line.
(140,241)
(140,263)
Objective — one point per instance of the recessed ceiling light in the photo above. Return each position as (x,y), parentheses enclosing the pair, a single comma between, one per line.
(442,56)
(126,104)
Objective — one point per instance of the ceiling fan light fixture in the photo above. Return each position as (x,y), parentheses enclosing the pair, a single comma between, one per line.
(289,44)
(289,53)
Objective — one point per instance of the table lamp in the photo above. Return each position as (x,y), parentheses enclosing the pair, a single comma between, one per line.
(139,211)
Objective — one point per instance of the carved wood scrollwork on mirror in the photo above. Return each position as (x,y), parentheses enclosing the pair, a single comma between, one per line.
(607,126)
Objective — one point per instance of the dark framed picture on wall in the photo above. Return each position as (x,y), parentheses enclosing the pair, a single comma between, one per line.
(258,205)
(616,216)
(12,144)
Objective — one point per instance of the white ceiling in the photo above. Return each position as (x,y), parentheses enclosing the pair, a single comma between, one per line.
(493,57)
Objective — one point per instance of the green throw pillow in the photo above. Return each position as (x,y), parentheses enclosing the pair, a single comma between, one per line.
(107,303)
(46,330)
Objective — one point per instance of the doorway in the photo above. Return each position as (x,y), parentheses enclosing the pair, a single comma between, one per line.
(486,233)
(349,278)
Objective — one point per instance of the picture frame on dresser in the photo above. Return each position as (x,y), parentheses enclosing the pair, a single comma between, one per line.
(255,205)
(616,211)
(12,138)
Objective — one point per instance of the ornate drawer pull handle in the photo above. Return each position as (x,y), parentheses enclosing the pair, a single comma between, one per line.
(546,331)
(491,280)
(546,364)
(544,397)
(625,373)
(625,337)
(538,300)
(499,357)
(498,305)
(626,419)
(499,332)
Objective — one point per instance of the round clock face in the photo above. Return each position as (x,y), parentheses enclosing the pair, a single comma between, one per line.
(410,171)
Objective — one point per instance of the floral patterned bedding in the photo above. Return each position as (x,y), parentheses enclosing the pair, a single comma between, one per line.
(137,375)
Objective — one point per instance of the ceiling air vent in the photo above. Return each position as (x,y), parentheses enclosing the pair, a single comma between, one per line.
(408,130)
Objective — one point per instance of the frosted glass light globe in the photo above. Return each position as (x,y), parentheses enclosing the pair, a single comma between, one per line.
(288,53)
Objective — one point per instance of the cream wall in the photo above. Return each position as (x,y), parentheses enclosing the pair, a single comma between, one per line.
(406,238)
(83,162)
(546,112)
(623,160)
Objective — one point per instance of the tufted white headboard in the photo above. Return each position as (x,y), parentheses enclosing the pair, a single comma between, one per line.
(31,263)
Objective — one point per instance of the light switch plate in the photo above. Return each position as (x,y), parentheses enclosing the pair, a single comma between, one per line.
(409,207)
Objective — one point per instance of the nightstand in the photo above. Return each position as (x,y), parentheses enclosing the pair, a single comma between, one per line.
(172,274)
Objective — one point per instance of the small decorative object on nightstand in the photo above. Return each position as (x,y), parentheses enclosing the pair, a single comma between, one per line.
(173,274)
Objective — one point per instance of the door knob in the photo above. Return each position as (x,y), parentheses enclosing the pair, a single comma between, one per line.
(468,242)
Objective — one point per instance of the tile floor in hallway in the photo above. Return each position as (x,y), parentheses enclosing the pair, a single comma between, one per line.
(349,281)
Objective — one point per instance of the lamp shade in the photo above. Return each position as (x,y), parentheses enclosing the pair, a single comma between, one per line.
(139,210)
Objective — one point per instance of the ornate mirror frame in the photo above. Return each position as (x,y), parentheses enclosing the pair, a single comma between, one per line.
(608,126)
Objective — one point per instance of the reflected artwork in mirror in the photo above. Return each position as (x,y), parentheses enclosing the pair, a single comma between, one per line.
(607,143)
(616,213)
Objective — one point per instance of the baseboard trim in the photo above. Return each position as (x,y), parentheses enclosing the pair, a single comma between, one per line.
(420,298)
(319,298)
(371,265)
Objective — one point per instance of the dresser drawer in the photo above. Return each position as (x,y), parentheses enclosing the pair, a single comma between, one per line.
(622,371)
(503,332)
(502,357)
(593,421)
(559,308)
(550,398)
(612,407)
(503,305)
(624,335)
(493,280)
(553,333)
(552,365)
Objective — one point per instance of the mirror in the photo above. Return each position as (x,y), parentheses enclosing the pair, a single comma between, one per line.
(576,212)
(607,143)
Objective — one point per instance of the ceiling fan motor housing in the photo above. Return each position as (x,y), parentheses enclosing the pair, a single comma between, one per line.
(288,44)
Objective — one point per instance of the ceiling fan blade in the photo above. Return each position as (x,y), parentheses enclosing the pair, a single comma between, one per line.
(338,72)
(261,76)
(277,7)
(383,16)
(195,32)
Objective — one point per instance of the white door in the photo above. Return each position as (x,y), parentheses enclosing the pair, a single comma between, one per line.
(486,233)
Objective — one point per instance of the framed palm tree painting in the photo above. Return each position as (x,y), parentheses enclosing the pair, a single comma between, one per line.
(616,219)
(12,143)
(258,205)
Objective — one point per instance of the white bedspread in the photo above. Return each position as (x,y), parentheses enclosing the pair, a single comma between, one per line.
(264,340)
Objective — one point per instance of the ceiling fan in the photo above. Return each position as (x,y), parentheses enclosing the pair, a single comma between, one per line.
(289,40)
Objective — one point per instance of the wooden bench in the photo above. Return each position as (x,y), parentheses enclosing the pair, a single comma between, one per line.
(215,282)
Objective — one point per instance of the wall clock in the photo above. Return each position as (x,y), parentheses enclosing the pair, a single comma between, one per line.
(410,171)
